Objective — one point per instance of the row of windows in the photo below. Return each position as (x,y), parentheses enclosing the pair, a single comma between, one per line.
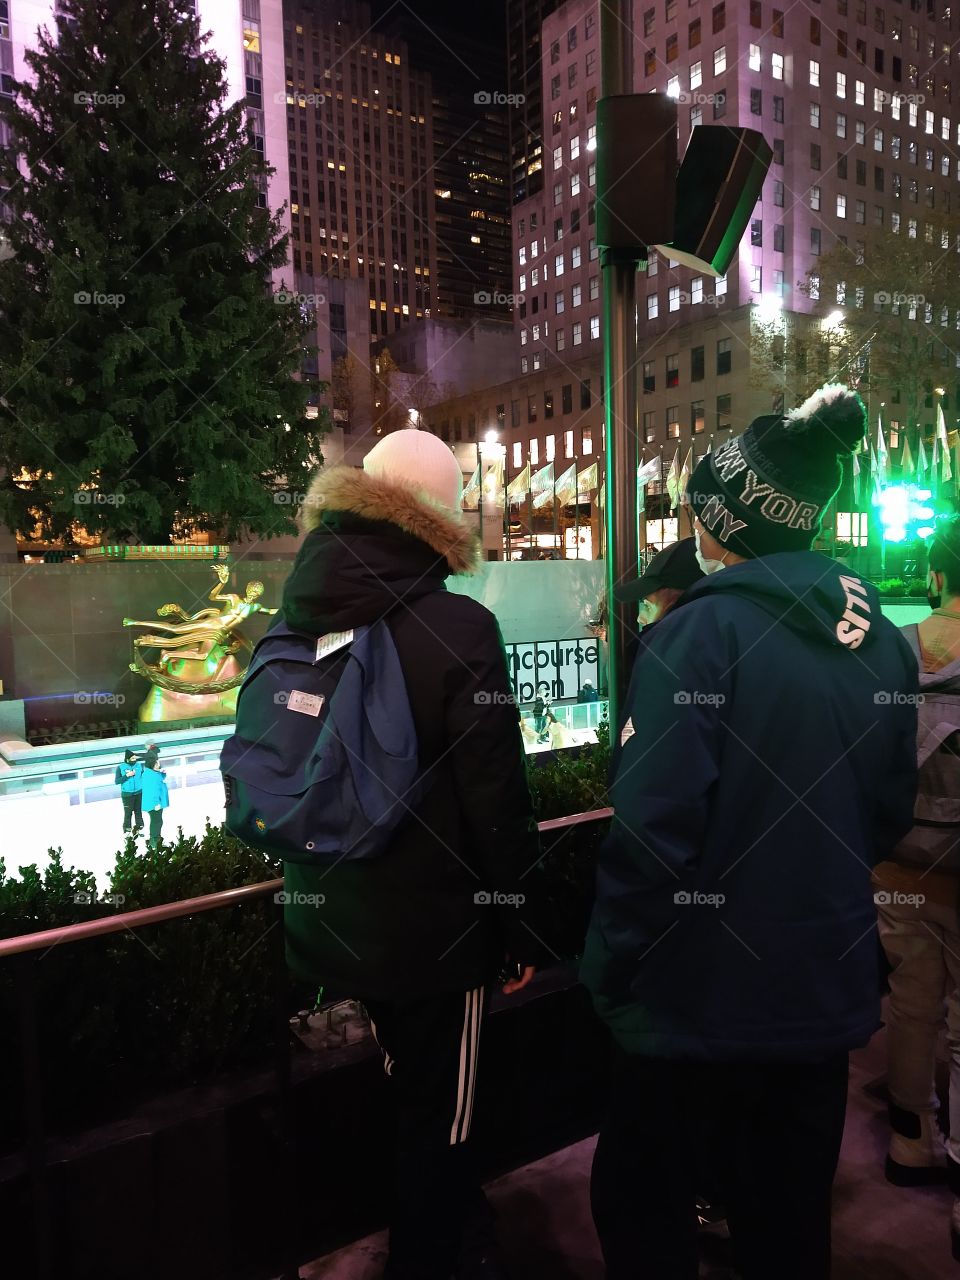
(724,364)
(532,449)
(590,69)
(718,24)
(589,31)
(860,14)
(696,421)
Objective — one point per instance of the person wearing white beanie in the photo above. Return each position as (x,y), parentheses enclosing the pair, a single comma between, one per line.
(420,934)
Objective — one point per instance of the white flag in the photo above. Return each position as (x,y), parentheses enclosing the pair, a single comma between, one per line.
(946,472)
(673,479)
(883,456)
(649,470)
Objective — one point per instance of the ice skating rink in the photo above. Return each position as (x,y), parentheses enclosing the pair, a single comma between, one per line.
(80,812)
(68,798)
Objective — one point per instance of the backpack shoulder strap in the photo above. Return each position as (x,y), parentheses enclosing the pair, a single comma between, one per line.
(911,633)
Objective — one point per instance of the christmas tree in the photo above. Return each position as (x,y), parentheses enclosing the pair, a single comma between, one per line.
(146,368)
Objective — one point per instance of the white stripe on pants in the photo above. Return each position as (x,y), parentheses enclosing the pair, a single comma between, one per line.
(469,1047)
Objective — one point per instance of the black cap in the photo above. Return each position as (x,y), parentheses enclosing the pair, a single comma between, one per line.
(674,566)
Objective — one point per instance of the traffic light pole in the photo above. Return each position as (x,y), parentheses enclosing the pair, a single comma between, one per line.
(619,272)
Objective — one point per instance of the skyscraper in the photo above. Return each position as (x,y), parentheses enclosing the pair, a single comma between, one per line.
(470,163)
(525,20)
(360,156)
(860,107)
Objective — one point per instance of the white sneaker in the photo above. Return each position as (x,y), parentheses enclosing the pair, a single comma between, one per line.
(918,1160)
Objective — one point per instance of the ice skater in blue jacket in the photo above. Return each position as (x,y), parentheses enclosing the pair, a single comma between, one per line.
(156,798)
(127,778)
(767,762)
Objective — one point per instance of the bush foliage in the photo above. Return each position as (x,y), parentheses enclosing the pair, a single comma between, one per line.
(125,1016)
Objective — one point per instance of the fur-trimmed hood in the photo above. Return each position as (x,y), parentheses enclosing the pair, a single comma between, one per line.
(372,498)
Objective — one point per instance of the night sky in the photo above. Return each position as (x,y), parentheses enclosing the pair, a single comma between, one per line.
(487,20)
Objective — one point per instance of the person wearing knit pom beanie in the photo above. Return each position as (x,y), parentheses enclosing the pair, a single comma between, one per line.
(421,934)
(767,762)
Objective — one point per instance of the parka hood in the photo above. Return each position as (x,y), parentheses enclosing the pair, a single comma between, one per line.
(806,592)
(351,489)
(371,545)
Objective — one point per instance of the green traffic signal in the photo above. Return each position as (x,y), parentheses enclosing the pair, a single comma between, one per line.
(904,512)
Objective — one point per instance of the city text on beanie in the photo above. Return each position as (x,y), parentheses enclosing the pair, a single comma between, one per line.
(766,490)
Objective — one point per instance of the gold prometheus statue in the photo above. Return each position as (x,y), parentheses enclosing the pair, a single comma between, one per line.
(197,672)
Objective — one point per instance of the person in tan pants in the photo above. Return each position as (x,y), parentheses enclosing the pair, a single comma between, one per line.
(918,900)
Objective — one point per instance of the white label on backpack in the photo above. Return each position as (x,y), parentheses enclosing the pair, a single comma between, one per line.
(331,643)
(308,704)
(627,732)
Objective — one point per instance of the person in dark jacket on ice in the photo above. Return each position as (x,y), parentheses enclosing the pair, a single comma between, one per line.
(767,762)
(420,934)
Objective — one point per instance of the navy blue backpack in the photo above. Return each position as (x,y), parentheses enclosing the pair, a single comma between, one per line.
(323,764)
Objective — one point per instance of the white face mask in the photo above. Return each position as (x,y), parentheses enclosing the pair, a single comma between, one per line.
(706,566)
(647,613)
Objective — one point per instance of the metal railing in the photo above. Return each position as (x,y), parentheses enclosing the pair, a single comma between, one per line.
(21,951)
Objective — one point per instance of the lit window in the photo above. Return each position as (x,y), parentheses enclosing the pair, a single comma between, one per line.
(653,306)
(814,198)
(754,60)
(558,157)
(558,265)
(574,184)
(673,298)
(574,257)
(594,326)
(815,74)
(841,84)
(776,66)
(575,146)
(696,290)
(577,334)
(719,60)
(841,206)
(696,75)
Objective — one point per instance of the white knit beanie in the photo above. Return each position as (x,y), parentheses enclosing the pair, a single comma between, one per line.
(421,461)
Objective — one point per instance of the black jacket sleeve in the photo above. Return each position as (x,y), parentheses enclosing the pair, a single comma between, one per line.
(486,752)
